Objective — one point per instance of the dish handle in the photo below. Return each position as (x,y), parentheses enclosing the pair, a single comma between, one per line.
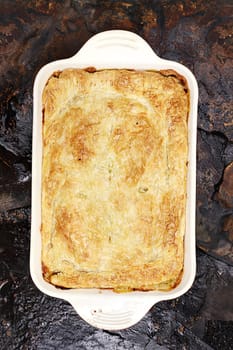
(112,314)
(116,48)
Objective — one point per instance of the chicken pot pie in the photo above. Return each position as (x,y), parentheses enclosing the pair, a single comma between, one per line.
(114,168)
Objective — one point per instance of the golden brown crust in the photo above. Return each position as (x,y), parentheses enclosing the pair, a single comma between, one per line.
(114,179)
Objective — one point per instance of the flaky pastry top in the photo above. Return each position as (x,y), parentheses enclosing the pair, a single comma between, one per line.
(115,145)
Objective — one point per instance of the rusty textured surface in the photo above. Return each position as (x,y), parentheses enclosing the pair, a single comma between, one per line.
(198,34)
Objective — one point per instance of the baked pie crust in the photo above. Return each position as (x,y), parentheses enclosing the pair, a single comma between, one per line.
(115,147)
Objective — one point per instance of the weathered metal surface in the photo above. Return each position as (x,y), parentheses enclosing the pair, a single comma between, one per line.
(195,33)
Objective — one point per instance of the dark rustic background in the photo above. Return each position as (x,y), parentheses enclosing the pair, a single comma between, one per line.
(195,33)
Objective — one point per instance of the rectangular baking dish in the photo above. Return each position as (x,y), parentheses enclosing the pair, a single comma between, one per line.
(104,308)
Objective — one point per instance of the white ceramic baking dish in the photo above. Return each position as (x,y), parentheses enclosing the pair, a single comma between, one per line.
(104,308)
